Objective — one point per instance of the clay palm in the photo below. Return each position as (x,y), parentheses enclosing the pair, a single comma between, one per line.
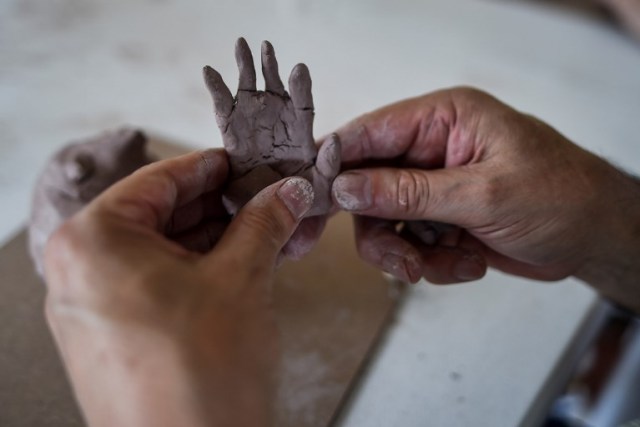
(269,134)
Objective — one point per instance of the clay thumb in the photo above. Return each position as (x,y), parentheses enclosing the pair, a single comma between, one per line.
(265,224)
(404,194)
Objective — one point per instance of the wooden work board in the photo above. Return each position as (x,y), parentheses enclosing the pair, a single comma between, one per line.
(331,310)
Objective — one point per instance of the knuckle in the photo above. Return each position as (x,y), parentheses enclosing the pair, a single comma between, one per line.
(63,243)
(369,250)
(412,192)
(371,244)
(364,246)
(471,93)
(467,97)
(63,246)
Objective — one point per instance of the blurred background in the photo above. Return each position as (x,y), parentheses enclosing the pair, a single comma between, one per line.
(69,67)
(495,356)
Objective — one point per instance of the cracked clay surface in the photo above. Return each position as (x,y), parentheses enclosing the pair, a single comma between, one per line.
(75,175)
(269,134)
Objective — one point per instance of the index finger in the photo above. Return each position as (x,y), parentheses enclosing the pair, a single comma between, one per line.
(417,129)
(150,195)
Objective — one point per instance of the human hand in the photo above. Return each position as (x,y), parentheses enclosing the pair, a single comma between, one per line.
(526,200)
(269,135)
(625,11)
(153,332)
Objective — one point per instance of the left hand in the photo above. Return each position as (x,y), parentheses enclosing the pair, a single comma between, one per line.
(153,333)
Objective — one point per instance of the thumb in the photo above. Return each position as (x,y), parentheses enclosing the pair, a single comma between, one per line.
(443,195)
(265,224)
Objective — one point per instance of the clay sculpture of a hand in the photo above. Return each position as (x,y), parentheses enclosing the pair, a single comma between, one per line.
(269,134)
(75,175)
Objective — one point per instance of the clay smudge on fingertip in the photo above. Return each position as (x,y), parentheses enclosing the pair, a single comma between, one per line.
(297,194)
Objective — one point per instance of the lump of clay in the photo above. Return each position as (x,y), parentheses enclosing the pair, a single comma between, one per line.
(269,134)
(75,175)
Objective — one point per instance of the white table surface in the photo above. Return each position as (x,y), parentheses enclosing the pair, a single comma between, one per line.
(474,354)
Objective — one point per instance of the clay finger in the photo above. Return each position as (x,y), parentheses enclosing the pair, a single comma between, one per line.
(328,163)
(222,98)
(300,88)
(245,66)
(270,70)
(379,244)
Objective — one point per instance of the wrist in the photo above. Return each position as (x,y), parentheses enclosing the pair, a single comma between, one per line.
(140,382)
(146,378)
(613,267)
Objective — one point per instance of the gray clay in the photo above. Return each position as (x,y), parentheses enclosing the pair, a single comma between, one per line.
(269,134)
(75,175)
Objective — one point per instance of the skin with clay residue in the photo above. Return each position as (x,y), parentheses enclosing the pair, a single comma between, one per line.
(269,134)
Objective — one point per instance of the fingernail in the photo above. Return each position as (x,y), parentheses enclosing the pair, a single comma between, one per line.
(469,268)
(352,191)
(297,194)
(394,265)
(401,267)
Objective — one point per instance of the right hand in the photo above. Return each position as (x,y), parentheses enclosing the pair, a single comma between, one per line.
(527,201)
(625,11)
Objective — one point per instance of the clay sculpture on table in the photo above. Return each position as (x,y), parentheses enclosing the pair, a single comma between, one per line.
(75,175)
(269,134)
